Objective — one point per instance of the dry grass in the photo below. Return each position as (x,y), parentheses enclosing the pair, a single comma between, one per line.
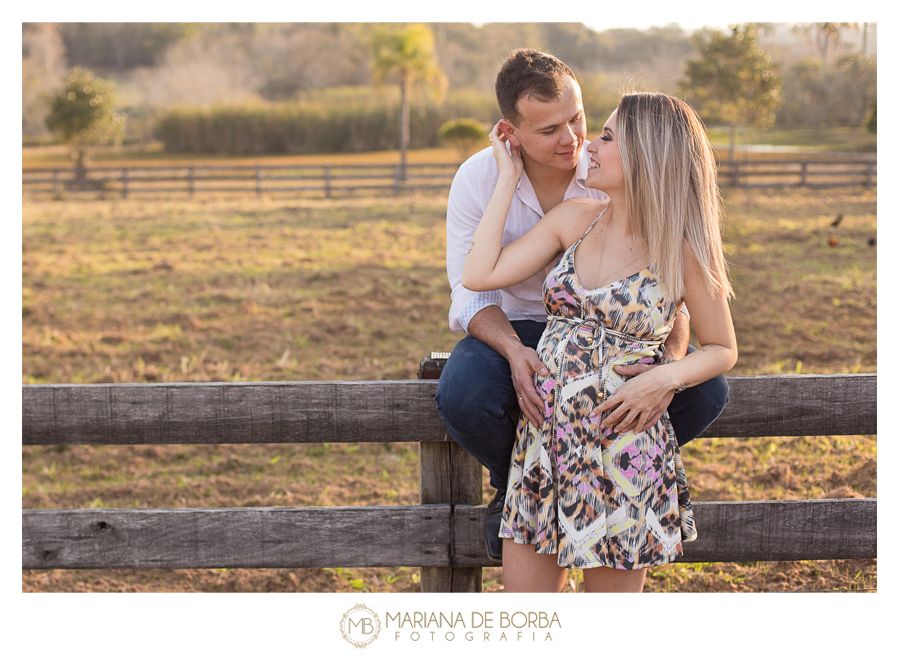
(246,289)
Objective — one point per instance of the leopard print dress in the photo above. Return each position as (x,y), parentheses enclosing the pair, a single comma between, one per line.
(598,499)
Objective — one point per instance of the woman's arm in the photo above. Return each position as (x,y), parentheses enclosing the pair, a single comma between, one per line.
(489,265)
(711,318)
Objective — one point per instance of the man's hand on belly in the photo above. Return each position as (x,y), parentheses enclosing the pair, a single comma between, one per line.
(491,326)
(524,363)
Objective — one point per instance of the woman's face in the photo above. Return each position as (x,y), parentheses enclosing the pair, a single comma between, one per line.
(605,170)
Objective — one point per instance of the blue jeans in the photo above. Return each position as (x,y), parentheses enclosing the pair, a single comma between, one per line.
(478,403)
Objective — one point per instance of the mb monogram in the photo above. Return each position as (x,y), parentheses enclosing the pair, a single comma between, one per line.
(360,625)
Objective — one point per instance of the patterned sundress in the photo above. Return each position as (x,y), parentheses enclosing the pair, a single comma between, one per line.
(613,500)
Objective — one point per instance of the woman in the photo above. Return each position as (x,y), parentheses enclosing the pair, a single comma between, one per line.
(582,494)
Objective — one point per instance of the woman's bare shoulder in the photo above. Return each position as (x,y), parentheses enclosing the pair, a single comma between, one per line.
(579,207)
(572,217)
(587,202)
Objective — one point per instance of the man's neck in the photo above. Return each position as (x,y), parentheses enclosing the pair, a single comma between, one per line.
(542,176)
(549,184)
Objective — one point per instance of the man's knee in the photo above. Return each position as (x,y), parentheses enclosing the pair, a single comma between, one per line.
(475,381)
(693,410)
(715,394)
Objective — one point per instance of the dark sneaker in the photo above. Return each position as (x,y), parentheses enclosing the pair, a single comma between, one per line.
(492,526)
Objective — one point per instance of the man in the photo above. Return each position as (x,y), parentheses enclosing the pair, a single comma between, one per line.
(487,380)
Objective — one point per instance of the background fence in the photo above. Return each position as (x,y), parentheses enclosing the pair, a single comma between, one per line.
(338,180)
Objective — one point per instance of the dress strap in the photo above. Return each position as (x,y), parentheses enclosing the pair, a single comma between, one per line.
(602,212)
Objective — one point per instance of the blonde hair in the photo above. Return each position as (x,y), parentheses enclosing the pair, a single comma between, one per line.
(671,194)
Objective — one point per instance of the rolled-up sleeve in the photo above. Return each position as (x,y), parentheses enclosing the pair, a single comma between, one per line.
(464,211)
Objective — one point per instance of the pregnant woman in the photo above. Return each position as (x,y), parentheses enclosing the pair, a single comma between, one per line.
(582,494)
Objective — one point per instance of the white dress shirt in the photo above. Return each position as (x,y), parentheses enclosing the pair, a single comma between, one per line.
(470,193)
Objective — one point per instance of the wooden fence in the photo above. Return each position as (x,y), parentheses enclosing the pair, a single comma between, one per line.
(337,180)
(444,534)
(300,180)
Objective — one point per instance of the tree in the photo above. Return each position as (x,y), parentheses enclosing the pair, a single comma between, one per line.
(827,36)
(121,45)
(733,81)
(464,135)
(43,64)
(406,54)
(83,114)
(872,121)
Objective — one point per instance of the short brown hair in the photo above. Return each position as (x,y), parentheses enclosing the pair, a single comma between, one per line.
(532,74)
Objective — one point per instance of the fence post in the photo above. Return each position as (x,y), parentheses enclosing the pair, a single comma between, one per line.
(327,182)
(124,182)
(56,181)
(396,180)
(803,174)
(448,474)
(737,172)
(870,174)
(259,181)
(190,182)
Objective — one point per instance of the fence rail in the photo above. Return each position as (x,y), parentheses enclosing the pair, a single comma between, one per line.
(382,411)
(427,536)
(443,535)
(332,179)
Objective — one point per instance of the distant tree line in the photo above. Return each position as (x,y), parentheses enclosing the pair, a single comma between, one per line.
(828,71)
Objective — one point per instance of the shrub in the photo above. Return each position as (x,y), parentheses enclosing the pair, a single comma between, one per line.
(464,135)
(346,123)
(83,114)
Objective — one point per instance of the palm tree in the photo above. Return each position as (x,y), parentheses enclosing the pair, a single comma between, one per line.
(406,55)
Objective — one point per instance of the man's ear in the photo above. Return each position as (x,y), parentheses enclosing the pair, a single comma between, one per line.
(510,131)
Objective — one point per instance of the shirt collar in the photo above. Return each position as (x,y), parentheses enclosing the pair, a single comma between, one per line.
(527,195)
(526,192)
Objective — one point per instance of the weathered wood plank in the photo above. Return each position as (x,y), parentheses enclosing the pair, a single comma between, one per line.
(434,472)
(412,536)
(373,411)
(448,474)
(258,412)
(785,530)
(747,531)
(415,536)
(799,405)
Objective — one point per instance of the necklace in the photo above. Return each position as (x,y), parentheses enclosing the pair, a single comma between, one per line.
(600,263)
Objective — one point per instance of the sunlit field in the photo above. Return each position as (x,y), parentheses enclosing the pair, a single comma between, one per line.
(247,289)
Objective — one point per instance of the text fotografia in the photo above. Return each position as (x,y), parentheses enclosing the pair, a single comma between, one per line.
(480,626)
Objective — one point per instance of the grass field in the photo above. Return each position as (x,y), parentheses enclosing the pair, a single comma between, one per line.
(239,289)
(851,140)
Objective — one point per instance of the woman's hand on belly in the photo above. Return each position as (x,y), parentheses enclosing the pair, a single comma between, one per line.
(639,403)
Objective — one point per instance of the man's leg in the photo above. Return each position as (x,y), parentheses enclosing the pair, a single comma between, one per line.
(694,409)
(477,402)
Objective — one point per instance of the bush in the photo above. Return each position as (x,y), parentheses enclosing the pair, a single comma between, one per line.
(350,123)
(464,135)
(83,114)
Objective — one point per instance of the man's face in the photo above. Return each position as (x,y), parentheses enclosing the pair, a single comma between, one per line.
(550,134)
